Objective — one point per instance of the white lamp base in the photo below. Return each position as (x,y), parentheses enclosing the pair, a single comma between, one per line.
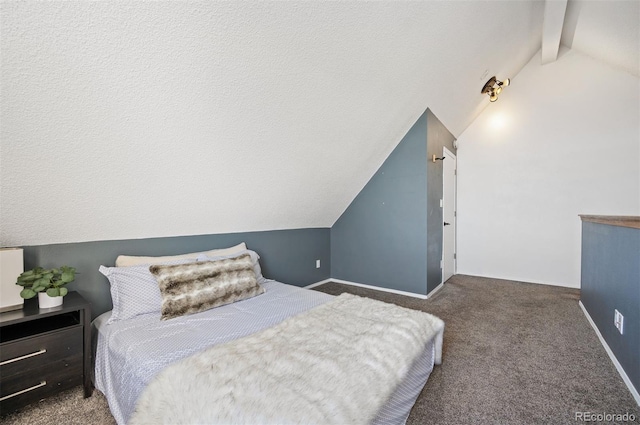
(11,266)
(11,307)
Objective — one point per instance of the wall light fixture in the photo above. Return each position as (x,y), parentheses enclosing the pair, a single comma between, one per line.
(493,87)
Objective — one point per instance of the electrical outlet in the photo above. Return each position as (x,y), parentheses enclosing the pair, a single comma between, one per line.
(618,320)
(317,264)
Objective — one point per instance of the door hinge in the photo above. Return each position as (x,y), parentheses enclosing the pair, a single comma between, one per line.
(455,213)
(454,255)
(455,172)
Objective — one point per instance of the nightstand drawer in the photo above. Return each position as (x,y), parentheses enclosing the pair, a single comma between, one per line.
(25,354)
(44,351)
(37,383)
(47,372)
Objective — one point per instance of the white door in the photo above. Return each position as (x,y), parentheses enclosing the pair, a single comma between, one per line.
(448,215)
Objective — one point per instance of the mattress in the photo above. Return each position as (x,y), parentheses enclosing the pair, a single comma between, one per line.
(130,353)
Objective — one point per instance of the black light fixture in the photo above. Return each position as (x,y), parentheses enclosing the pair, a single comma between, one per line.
(493,87)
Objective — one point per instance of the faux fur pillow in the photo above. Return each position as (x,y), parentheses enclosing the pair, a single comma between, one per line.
(195,287)
(254,257)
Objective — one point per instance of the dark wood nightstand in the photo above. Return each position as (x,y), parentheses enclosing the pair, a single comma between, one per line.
(43,351)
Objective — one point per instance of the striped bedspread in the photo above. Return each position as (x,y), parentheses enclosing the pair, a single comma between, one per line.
(336,363)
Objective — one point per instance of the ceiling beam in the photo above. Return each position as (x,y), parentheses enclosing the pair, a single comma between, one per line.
(552,29)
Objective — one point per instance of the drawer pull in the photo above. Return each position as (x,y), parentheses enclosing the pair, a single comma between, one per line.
(41,384)
(26,356)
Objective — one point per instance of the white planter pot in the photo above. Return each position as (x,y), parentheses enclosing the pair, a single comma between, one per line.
(45,301)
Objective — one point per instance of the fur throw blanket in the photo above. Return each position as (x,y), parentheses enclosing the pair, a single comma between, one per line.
(337,363)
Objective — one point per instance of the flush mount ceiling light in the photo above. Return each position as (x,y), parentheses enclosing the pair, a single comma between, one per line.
(493,87)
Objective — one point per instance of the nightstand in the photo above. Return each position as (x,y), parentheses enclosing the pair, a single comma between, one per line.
(44,351)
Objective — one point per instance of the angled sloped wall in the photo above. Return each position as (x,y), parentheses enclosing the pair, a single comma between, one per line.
(161,119)
(383,238)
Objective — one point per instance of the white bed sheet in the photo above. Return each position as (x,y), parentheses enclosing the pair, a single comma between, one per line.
(130,353)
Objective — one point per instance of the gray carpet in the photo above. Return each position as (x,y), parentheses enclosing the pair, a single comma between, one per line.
(514,353)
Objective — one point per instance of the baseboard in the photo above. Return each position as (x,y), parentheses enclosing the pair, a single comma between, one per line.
(612,356)
(518,279)
(378,288)
(313,285)
(436,289)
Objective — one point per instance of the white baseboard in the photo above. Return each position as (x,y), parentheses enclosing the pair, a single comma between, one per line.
(313,285)
(612,356)
(520,279)
(436,289)
(378,288)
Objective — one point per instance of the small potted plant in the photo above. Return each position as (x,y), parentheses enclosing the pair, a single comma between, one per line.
(47,283)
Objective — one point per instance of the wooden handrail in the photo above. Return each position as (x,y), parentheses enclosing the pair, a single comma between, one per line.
(632,221)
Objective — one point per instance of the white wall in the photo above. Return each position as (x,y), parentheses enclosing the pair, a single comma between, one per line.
(562,140)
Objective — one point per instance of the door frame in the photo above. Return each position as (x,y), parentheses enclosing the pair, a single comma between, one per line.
(450,155)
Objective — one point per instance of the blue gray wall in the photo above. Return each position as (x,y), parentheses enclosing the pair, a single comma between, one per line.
(437,137)
(391,234)
(381,238)
(610,280)
(288,256)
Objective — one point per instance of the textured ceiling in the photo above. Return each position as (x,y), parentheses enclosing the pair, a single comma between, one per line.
(139,119)
(605,30)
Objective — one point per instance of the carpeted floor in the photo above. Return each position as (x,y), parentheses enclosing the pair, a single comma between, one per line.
(514,353)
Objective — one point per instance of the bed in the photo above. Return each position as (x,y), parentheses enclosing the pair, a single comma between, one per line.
(130,354)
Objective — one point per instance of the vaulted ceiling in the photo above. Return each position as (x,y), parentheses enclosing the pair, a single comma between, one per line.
(173,118)
(605,30)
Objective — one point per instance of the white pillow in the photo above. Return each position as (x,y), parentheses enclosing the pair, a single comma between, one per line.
(254,257)
(134,290)
(129,260)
